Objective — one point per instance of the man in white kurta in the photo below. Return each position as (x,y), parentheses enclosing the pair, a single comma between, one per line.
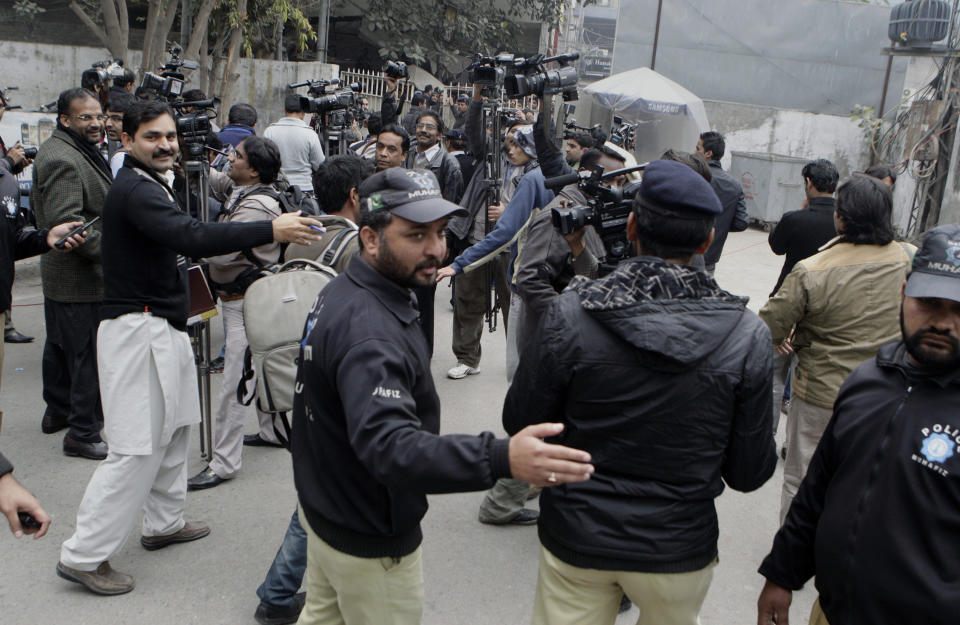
(148,381)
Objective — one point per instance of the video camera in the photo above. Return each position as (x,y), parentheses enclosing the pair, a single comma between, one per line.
(102,72)
(607,211)
(168,85)
(490,71)
(194,127)
(531,77)
(622,134)
(321,99)
(397,69)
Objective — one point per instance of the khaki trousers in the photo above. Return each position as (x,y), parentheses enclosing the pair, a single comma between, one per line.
(347,590)
(817,617)
(805,426)
(569,595)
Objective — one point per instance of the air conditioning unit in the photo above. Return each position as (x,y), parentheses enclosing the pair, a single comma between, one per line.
(919,23)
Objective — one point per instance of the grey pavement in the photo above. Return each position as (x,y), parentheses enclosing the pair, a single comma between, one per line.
(474,574)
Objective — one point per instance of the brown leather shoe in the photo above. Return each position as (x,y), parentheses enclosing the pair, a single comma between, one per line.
(192,530)
(103,581)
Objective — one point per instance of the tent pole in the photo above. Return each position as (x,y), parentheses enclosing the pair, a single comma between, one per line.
(656,35)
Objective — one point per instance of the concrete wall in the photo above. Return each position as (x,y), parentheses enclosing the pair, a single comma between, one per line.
(790,133)
(42,71)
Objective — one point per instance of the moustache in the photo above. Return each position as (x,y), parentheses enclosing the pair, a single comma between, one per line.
(162,153)
(434,262)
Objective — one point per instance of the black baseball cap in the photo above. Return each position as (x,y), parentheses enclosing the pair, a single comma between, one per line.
(936,265)
(413,194)
(673,189)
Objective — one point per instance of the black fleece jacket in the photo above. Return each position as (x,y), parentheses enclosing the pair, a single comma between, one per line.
(146,237)
(366,421)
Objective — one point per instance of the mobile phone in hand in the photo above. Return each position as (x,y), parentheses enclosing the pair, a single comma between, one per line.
(63,240)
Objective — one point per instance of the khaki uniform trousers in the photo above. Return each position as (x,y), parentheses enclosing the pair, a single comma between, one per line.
(805,426)
(347,590)
(817,617)
(570,595)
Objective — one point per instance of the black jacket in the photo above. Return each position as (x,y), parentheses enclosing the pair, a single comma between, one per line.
(734,217)
(877,516)
(145,238)
(447,170)
(366,420)
(15,242)
(666,380)
(801,233)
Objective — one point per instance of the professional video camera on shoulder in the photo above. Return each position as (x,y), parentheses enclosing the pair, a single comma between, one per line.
(623,134)
(531,77)
(606,211)
(168,85)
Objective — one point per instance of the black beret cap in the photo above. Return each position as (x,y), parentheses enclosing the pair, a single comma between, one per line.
(673,189)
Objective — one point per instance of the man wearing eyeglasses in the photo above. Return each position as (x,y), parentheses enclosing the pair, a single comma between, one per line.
(429,153)
(70,181)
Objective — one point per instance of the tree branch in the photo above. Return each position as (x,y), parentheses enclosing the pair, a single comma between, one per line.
(96,30)
(199,29)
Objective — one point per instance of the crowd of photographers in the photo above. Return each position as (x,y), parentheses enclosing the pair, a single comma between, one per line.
(653,386)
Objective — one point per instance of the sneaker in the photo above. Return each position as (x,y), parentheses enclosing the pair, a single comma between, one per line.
(103,581)
(462,371)
(216,365)
(267,614)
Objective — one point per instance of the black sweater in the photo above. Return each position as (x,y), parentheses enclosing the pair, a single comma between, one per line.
(801,233)
(366,421)
(145,239)
(877,514)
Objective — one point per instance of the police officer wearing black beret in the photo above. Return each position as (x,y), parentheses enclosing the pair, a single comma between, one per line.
(664,378)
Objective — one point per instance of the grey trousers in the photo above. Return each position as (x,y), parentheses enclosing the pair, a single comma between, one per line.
(231,415)
(805,426)
(504,501)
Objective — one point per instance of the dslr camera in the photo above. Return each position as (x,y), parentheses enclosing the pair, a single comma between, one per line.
(531,77)
(397,69)
(607,212)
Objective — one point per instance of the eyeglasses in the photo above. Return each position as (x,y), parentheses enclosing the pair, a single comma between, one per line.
(87,118)
(426,126)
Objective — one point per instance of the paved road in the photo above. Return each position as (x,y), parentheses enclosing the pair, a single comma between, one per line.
(475,574)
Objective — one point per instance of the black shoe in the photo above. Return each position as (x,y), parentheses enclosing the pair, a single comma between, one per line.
(267,614)
(526,516)
(15,337)
(216,365)
(93,451)
(255,440)
(625,604)
(205,479)
(51,424)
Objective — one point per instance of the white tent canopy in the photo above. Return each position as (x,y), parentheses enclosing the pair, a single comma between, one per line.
(667,115)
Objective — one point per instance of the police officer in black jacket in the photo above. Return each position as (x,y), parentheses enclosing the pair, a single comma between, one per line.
(664,378)
(877,515)
(367,417)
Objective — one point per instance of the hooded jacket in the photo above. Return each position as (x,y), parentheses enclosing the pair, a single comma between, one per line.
(665,379)
(877,515)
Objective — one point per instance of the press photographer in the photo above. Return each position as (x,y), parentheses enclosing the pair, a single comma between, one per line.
(334,110)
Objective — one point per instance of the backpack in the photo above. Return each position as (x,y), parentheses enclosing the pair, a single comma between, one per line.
(291,198)
(275,310)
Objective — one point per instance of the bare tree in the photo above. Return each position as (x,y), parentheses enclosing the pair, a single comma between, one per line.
(115,33)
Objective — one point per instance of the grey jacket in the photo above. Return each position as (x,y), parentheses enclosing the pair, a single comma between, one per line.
(445,168)
(68,186)
(300,150)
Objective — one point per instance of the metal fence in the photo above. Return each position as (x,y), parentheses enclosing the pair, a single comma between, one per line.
(372,85)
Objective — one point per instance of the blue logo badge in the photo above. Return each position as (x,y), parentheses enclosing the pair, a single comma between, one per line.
(937,448)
